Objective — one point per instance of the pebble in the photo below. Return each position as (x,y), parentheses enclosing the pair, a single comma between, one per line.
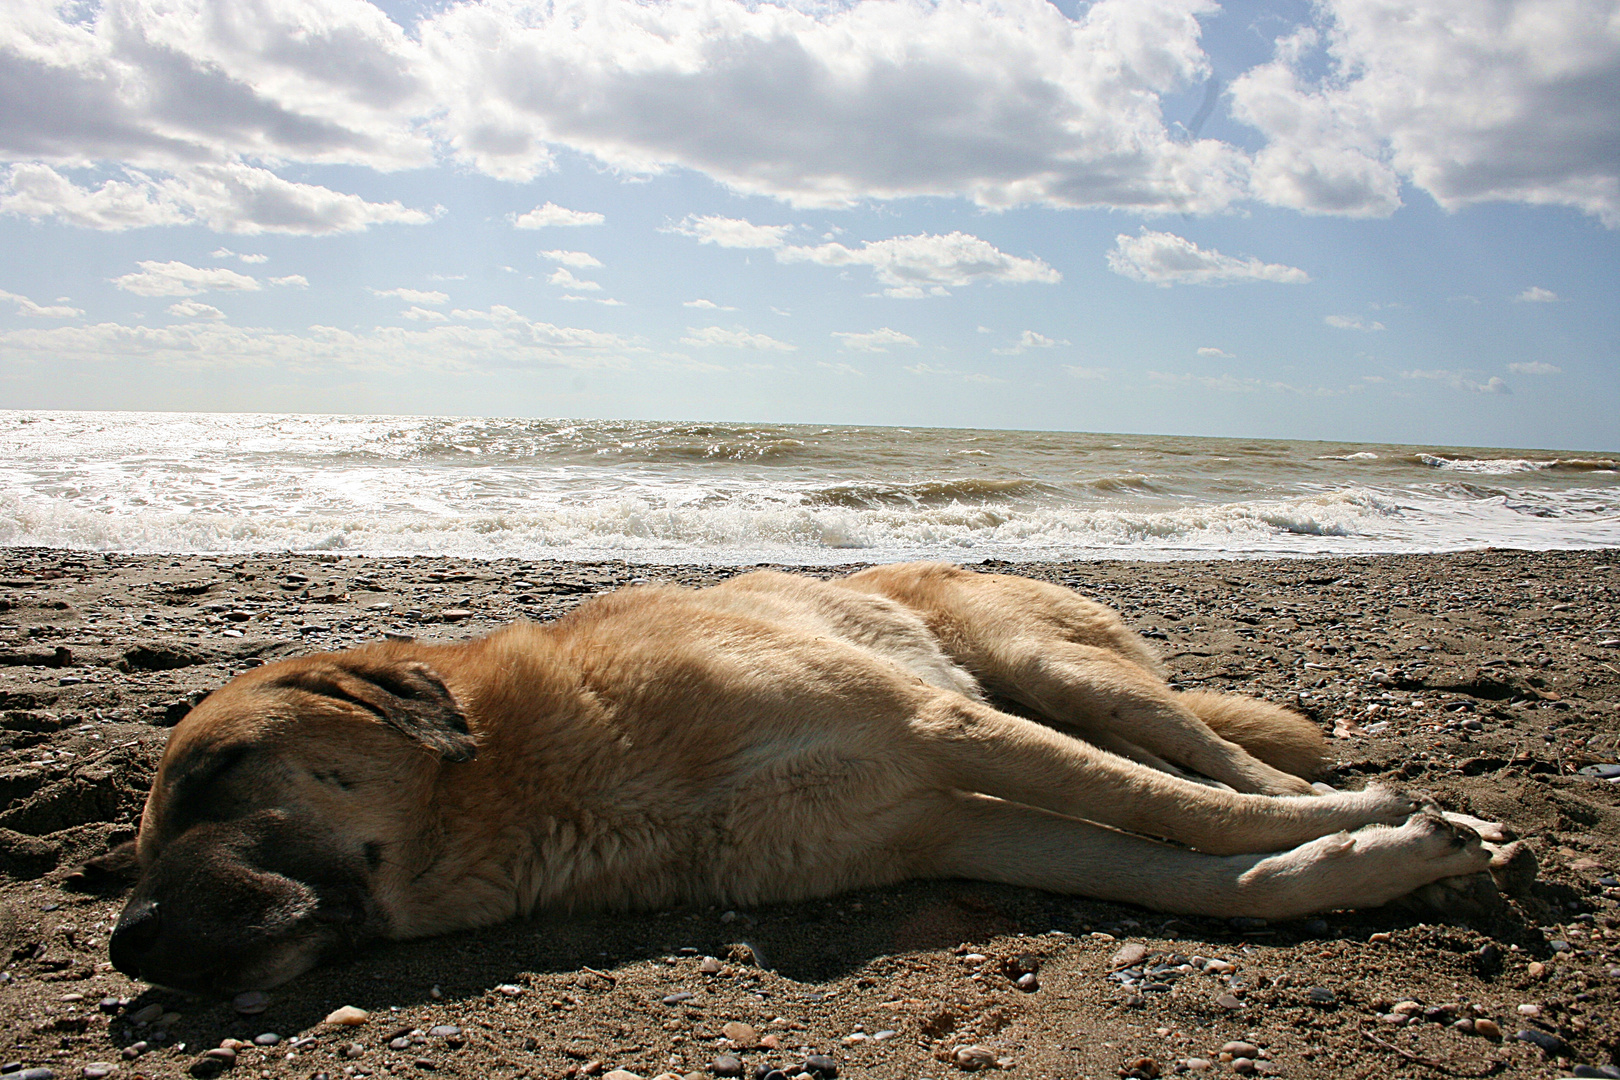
(740,1033)
(96,1070)
(347,1015)
(710,966)
(821,1063)
(444,1031)
(222,1053)
(620,1074)
(206,1067)
(1198,1064)
(40,1073)
(726,1065)
(1129,955)
(973,1058)
(1027,982)
(1238,1048)
(1487,1027)
(1528,1009)
(134,1050)
(678,997)
(269,1038)
(1228,1001)
(1321,995)
(146,1014)
(455,614)
(401,1043)
(110,1004)
(1549,1042)
(251,1002)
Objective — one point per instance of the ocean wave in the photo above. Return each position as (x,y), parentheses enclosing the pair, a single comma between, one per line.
(923,493)
(1359,455)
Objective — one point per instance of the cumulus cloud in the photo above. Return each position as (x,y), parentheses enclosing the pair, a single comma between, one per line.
(878,340)
(412,296)
(925,264)
(551,215)
(1535,367)
(422,314)
(706,305)
(228,198)
(1352,322)
(180,279)
(1471,102)
(578,259)
(195,309)
(291,281)
(730,232)
(1535,294)
(1461,380)
(507,341)
(1029,339)
(227,253)
(564,278)
(1213,353)
(26,306)
(736,338)
(1165,259)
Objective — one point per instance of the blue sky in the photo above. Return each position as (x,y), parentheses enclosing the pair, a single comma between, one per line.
(1361,220)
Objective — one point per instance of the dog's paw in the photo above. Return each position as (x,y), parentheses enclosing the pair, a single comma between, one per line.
(1386,805)
(1492,832)
(1468,896)
(1514,868)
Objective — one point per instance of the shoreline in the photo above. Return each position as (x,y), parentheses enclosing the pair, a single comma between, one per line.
(1487,678)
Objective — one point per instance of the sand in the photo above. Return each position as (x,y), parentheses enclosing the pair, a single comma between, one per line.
(1488,679)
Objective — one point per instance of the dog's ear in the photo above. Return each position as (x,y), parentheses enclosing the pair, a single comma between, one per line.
(405,694)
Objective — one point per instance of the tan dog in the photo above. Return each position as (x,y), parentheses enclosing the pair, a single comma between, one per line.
(768,739)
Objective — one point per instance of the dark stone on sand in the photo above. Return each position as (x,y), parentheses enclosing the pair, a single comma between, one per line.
(822,1065)
(58,657)
(726,1065)
(1552,1044)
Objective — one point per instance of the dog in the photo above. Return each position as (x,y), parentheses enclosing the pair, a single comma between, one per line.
(771,738)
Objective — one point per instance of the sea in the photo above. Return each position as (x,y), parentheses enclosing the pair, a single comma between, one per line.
(738,494)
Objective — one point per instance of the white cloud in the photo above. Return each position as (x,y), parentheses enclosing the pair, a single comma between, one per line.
(1166,259)
(1352,322)
(1469,101)
(1535,294)
(949,373)
(291,281)
(730,232)
(733,339)
(579,259)
(1535,367)
(509,341)
(195,309)
(706,305)
(26,306)
(179,279)
(228,198)
(925,264)
(877,340)
(1029,339)
(1461,380)
(227,253)
(422,314)
(412,296)
(1213,353)
(564,278)
(551,215)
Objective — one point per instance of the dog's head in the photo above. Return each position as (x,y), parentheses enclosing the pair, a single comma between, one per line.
(285,809)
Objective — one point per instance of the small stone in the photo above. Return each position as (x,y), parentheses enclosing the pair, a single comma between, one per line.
(1028,983)
(268,1038)
(251,1002)
(726,1065)
(1128,955)
(351,1050)
(348,1016)
(146,1014)
(1487,1027)
(1198,1064)
(1407,1007)
(206,1067)
(1535,969)
(455,614)
(1238,1048)
(444,1031)
(222,1053)
(974,1058)
(509,989)
(710,966)
(823,1065)
(770,1042)
(1243,1066)
(1228,1001)
(1321,995)
(110,1004)
(1465,1025)
(1528,1009)
(1141,1067)
(678,997)
(401,1042)
(134,1050)
(98,1070)
(740,1033)
(1552,1044)
(40,1073)
(620,1074)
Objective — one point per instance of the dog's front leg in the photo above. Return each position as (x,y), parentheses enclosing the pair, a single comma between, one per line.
(991,839)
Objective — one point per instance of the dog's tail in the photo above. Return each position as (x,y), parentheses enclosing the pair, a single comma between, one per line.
(1277,736)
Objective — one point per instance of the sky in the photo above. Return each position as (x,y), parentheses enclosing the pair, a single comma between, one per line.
(1363,220)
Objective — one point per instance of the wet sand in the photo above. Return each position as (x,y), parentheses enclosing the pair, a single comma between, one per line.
(1488,679)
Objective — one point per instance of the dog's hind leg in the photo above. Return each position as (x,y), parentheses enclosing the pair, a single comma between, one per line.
(955,743)
(992,840)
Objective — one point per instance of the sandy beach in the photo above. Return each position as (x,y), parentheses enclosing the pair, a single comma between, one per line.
(1489,680)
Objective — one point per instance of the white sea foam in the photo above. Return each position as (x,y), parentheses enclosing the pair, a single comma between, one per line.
(745,493)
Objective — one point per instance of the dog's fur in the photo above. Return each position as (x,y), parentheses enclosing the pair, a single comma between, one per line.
(771,738)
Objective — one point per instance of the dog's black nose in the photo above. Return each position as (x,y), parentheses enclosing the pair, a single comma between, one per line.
(132,939)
